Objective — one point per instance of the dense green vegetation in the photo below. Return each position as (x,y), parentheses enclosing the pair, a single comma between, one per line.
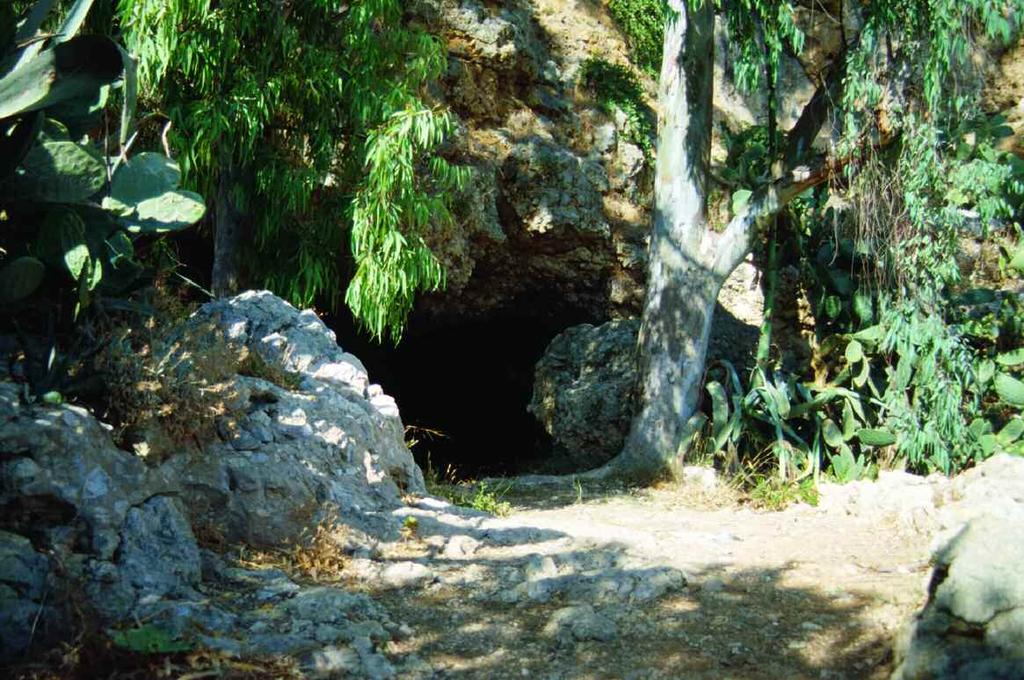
(900,377)
(897,308)
(75,207)
(312,131)
(313,138)
(617,89)
(642,21)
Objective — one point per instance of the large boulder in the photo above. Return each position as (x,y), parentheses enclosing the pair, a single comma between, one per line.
(324,435)
(582,391)
(302,436)
(584,384)
(972,627)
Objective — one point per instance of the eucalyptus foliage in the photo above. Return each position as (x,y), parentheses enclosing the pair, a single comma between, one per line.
(914,170)
(925,48)
(923,172)
(318,109)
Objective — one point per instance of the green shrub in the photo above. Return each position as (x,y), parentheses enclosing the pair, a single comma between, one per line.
(913,366)
(480,496)
(72,215)
(617,88)
(643,22)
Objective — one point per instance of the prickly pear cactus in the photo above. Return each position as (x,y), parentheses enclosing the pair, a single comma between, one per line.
(59,172)
(19,278)
(144,194)
(145,176)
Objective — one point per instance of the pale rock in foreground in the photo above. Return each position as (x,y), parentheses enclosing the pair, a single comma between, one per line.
(972,627)
(121,529)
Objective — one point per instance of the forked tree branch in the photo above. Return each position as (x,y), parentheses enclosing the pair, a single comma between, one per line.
(737,239)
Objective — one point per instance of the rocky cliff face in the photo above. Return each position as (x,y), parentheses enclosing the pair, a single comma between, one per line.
(557,217)
(556,220)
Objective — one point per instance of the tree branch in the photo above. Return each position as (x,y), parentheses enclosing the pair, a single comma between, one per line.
(737,240)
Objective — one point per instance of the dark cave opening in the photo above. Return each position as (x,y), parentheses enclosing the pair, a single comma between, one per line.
(470,382)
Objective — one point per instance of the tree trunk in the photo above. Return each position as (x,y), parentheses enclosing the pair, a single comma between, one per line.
(682,284)
(688,261)
(225,279)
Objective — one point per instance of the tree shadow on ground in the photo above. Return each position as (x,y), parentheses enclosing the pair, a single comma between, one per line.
(746,624)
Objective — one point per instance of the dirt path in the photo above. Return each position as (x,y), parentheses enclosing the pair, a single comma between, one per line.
(576,587)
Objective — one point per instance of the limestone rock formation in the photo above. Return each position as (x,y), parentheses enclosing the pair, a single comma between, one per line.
(935,504)
(283,452)
(557,216)
(583,385)
(582,391)
(122,528)
(554,210)
(973,623)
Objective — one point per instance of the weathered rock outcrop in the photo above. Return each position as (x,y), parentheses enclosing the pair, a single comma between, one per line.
(935,504)
(284,452)
(122,529)
(554,213)
(582,392)
(972,626)
(305,458)
(557,217)
(584,383)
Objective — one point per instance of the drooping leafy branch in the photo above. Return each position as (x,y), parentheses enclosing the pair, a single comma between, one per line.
(310,120)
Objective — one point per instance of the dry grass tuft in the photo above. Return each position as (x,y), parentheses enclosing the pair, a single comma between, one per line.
(318,556)
(168,384)
(323,558)
(162,391)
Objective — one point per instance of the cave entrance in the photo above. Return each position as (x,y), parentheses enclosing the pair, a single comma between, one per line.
(463,388)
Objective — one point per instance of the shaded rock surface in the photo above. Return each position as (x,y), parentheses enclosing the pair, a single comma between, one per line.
(582,392)
(25,584)
(584,384)
(556,219)
(123,528)
(973,623)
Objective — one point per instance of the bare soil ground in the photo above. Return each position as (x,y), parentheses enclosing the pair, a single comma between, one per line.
(580,583)
(800,593)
